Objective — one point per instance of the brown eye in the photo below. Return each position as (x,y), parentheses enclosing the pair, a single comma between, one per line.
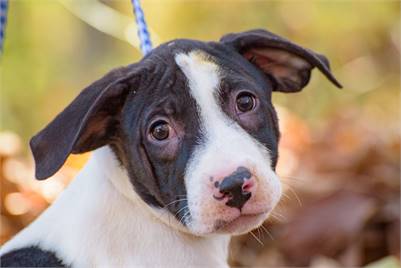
(160,130)
(245,102)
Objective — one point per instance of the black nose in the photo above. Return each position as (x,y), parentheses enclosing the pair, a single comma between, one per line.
(231,186)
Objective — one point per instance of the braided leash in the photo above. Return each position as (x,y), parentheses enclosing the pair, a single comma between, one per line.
(143,33)
(3,20)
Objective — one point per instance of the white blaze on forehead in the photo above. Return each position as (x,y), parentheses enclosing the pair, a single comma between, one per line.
(203,79)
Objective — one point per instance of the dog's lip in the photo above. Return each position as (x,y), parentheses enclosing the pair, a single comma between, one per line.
(243,219)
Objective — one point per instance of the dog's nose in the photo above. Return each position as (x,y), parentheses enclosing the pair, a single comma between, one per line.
(237,188)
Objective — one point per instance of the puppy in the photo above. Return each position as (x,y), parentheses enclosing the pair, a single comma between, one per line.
(185,149)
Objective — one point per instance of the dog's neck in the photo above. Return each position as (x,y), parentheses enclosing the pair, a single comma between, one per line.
(98,220)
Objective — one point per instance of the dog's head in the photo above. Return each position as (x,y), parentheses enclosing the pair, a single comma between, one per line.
(192,124)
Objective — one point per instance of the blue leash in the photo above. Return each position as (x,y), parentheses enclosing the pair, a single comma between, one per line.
(143,33)
(3,21)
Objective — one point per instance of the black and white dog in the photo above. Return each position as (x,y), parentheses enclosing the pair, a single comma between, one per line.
(186,148)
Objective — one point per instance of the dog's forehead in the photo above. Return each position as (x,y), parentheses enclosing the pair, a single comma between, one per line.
(206,50)
(191,71)
(198,67)
(181,64)
(230,65)
(188,45)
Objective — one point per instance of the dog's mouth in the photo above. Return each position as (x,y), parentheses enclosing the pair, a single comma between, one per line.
(241,224)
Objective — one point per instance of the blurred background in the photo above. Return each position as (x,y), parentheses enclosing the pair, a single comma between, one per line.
(340,149)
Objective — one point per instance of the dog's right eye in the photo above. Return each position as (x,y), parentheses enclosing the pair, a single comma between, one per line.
(160,130)
(245,102)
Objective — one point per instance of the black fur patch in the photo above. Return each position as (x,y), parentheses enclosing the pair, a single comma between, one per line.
(30,257)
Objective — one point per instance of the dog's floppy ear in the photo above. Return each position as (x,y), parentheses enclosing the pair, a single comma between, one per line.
(87,123)
(288,64)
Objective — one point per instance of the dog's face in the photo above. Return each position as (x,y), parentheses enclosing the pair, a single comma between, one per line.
(193,125)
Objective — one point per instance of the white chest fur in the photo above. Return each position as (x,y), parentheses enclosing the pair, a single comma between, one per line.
(94,224)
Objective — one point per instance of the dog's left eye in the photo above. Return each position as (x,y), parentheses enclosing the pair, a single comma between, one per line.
(160,130)
(245,102)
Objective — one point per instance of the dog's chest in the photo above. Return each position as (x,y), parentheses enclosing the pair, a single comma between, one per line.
(94,225)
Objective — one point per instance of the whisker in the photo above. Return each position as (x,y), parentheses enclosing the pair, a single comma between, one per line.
(286,196)
(175,201)
(257,239)
(181,209)
(165,211)
(296,195)
(183,218)
(267,232)
(258,229)
(186,218)
(277,216)
(185,214)
(292,178)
